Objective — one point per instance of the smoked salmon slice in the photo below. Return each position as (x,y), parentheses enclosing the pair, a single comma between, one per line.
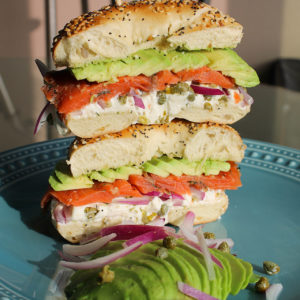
(139,185)
(69,94)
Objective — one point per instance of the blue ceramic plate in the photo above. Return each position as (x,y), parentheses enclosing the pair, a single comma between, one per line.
(263,217)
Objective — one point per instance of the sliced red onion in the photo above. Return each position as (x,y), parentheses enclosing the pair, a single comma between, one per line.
(101,103)
(126,232)
(192,292)
(157,222)
(188,222)
(177,196)
(134,201)
(206,254)
(177,202)
(42,117)
(248,100)
(198,193)
(272,293)
(68,257)
(206,91)
(58,214)
(137,100)
(162,196)
(101,261)
(226,91)
(87,249)
(154,194)
(217,242)
(148,237)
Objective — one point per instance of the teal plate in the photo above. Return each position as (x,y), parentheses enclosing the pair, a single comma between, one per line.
(262,219)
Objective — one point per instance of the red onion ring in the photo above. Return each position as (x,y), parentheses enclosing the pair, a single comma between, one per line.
(101,261)
(87,249)
(137,100)
(147,237)
(206,91)
(42,117)
(273,291)
(192,292)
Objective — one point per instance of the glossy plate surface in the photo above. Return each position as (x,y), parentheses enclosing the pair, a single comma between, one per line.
(262,219)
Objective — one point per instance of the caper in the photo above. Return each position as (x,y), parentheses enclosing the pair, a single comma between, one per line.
(169,242)
(207,106)
(106,275)
(209,235)
(224,247)
(271,268)
(163,210)
(123,99)
(262,285)
(91,212)
(161,97)
(179,88)
(143,120)
(161,252)
(223,100)
(207,98)
(191,97)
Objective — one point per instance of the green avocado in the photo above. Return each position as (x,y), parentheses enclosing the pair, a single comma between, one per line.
(154,169)
(62,179)
(142,275)
(230,64)
(147,62)
(151,61)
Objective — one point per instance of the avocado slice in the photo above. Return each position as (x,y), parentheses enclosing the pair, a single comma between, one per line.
(214,167)
(238,273)
(226,273)
(62,179)
(229,63)
(151,61)
(96,175)
(147,62)
(151,168)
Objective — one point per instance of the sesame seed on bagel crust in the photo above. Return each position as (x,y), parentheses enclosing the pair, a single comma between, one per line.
(139,143)
(118,31)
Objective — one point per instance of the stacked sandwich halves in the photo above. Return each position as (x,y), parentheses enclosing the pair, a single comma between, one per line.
(148,90)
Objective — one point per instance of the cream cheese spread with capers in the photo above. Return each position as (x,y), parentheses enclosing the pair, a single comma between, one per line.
(128,213)
(161,107)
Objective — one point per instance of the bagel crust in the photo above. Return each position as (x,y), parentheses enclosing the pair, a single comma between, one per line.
(139,143)
(118,31)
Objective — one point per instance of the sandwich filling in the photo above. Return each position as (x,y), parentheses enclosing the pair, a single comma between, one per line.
(150,75)
(124,210)
(140,186)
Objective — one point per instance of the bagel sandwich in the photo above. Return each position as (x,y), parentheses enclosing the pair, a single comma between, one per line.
(148,62)
(145,174)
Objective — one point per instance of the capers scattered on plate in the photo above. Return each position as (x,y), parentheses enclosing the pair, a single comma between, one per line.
(209,235)
(270,267)
(161,252)
(224,247)
(262,285)
(169,242)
